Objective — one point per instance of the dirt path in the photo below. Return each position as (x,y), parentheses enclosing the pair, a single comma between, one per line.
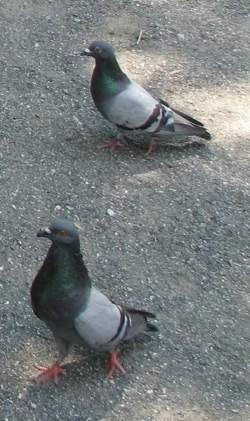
(178,243)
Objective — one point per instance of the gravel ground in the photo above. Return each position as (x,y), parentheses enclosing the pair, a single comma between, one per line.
(178,242)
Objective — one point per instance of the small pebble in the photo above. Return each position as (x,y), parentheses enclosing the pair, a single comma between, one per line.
(110,212)
(181,36)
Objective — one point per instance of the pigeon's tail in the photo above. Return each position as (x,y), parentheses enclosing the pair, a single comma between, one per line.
(151,328)
(188,126)
(138,322)
(181,124)
(147,315)
(187,130)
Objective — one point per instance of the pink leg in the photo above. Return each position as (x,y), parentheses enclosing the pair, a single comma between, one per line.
(152,146)
(112,144)
(48,372)
(114,364)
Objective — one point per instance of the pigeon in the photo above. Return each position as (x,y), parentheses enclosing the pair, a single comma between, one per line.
(130,107)
(63,297)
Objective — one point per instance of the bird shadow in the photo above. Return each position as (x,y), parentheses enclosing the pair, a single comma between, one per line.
(91,366)
(138,148)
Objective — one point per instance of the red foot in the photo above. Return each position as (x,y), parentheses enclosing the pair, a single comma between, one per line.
(111,144)
(152,146)
(114,364)
(48,372)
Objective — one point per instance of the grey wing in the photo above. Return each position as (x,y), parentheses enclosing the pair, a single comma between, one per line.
(102,324)
(134,108)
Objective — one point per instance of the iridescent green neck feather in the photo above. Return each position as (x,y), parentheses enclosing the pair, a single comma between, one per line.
(107,80)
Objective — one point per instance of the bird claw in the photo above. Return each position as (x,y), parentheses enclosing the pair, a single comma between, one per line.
(112,144)
(114,364)
(151,147)
(48,372)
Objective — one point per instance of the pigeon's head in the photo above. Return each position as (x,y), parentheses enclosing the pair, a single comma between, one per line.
(61,231)
(100,50)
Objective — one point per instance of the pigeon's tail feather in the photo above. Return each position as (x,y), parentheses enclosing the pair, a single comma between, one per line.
(188,118)
(146,314)
(138,322)
(181,114)
(184,125)
(152,328)
(190,130)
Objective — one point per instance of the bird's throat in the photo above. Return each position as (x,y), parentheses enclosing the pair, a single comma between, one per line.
(68,271)
(107,80)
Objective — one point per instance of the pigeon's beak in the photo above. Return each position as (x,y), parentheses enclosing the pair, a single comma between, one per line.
(43,232)
(86,52)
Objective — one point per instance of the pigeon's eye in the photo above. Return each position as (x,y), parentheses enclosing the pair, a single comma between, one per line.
(98,49)
(63,233)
